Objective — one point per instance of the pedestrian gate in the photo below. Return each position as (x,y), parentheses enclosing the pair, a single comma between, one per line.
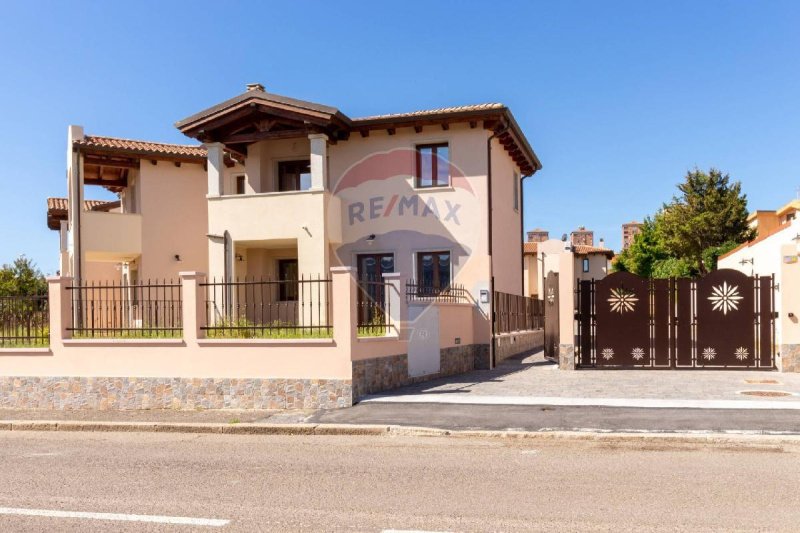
(551,317)
(723,320)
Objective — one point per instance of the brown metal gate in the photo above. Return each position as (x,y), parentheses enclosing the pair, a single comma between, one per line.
(723,320)
(551,319)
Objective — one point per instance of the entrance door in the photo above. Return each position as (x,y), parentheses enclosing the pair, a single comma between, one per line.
(371,290)
(371,267)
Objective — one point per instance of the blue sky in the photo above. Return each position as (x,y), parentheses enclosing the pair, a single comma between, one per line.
(619,99)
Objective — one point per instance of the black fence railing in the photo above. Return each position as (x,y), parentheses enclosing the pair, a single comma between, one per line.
(517,313)
(268,309)
(374,311)
(24,321)
(142,309)
(417,291)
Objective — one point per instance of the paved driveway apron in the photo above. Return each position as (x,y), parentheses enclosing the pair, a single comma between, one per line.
(533,380)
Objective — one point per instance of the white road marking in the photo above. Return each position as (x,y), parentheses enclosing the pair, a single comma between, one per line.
(179,520)
(410,531)
(476,399)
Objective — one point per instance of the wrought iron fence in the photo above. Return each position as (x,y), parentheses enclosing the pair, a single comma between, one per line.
(513,312)
(453,293)
(374,310)
(268,309)
(24,321)
(143,309)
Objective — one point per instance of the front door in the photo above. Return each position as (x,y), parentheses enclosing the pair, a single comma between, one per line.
(372,267)
(371,290)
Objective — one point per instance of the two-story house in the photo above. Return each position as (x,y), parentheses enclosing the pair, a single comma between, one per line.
(283,187)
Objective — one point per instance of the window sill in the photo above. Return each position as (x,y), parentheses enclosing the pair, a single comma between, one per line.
(438,188)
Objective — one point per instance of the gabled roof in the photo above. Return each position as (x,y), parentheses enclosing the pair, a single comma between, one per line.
(259,115)
(57,209)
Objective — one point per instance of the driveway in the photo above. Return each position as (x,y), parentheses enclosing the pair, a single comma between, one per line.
(532,380)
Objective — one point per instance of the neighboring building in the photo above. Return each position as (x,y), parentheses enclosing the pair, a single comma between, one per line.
(772,252)
(538,235)
(629,232)
(766,222)
(582,236)
(590,262)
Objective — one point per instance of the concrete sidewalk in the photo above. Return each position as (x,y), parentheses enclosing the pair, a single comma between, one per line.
(535,381)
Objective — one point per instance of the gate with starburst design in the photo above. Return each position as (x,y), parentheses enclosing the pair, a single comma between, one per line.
(723,320)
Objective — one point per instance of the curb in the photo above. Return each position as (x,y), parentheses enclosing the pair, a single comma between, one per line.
(737,438)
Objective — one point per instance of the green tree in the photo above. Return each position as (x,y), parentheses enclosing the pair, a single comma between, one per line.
(22,278)
(709,213)
(641,256)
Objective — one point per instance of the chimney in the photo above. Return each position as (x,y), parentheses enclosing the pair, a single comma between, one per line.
(602,243)
(255,87)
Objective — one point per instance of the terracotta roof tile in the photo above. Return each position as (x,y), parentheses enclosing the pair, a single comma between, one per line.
(439,111)
(143,147)
(584,249)
(57,209)
(62,204)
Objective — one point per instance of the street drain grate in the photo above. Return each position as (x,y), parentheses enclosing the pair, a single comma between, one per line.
(763,381)
(766,393)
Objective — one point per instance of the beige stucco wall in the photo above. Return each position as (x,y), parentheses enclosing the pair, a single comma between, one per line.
(531,275)
(790,295)
(767,259)
(598,266)
(174,219)
(506,223)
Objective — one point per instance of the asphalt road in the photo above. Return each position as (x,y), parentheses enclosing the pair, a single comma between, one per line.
(566,418)
(316,483)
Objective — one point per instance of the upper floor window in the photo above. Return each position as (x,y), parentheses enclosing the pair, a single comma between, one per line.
(516,191)
(240,184)
(586,264)
(433,165)
(294,175)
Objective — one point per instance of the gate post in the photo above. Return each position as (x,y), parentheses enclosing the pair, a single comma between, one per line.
(566,291)
(790,309)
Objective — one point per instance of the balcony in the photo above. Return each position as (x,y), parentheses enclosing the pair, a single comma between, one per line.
(276,216)
(111,236)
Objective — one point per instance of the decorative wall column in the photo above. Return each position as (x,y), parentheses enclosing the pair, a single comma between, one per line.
(344,311)
(319,160)
(216,169)
(396,301)
(192,310)
(566,294)
(60,309)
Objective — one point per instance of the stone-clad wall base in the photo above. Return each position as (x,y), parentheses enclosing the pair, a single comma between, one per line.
(118,393)
(566,357)
(790,358)
(511,344)
(380,374)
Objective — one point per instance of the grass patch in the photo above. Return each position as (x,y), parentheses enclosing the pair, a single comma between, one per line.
(245,329)
(36,337)
(127,334)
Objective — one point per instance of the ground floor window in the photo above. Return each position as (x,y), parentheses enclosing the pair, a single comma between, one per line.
(433,271)
(287,275)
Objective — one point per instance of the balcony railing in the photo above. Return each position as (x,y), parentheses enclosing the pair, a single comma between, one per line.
(454,293)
